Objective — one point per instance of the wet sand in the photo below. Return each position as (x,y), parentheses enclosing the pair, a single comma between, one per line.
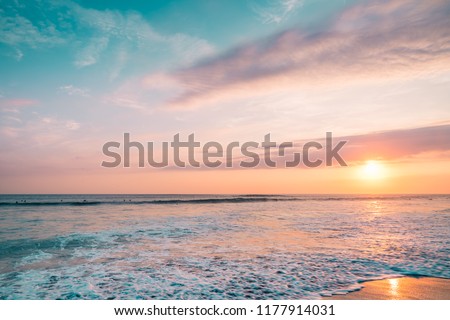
(405,288)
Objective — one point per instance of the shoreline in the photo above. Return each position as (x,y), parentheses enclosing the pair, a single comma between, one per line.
(400,288)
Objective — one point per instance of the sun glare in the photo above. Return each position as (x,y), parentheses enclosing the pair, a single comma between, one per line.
(372,170)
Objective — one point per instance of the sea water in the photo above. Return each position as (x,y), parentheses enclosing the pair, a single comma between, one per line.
(216,247)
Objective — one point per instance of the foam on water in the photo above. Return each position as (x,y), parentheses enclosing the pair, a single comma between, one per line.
(307,247)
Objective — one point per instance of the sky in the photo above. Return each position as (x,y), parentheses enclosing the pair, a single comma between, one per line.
(77,74)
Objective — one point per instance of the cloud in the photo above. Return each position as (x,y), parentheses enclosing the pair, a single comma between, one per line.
(72,125)
(378,39)
(16,30)
(143,94)
(110,28)
(113,28)
(71,90)
(126,102)
(13,105)
(18,55)
(38,131)
(57,123)
(41,143)
(128,34)
(9,132)
(121,59)
(90,54)
(189,48)
(16,119)
(275,11)
(397,144)
(48,120)
(95,35)
(393,146)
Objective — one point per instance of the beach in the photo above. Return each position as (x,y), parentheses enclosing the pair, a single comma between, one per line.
(404,288)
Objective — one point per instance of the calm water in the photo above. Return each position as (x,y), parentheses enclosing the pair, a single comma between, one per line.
(215,247)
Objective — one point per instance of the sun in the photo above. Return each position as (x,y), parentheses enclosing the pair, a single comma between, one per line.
(372,170)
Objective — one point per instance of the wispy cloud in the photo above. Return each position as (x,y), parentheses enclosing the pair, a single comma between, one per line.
(72,125)
(397,144)
(121,59)
(71,90)
(13,105)
(126,102)
(18,54)
(41,131)
(144,93)
(9,132)
(90,54)
(12,119)
(374,40)
(104,33)
(17,30)
(130,30)
(391,146)
(57,123)
(275,11)
(189,48)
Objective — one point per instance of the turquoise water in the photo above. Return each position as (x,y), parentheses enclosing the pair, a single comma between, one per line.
(215,247)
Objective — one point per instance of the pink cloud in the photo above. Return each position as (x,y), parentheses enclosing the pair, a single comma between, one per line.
(397,144)
(374,40)
(17,103)
(392,145)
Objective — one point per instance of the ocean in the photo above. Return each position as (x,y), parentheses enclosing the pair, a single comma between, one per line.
(216,246)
